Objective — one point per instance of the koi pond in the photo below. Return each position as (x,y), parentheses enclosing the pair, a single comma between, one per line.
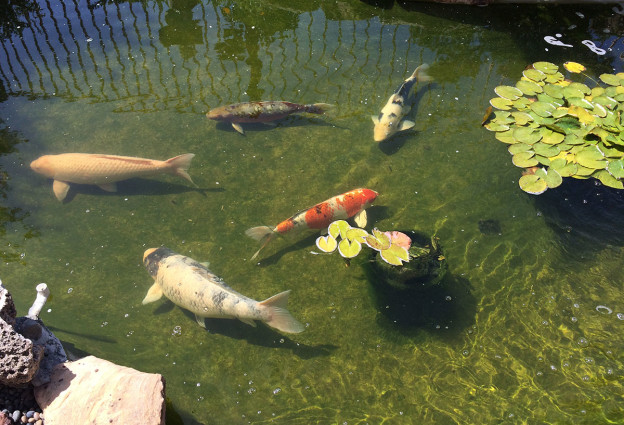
(524,328)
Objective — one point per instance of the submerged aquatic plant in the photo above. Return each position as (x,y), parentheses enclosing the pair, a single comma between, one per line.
(392,246)
(558,128)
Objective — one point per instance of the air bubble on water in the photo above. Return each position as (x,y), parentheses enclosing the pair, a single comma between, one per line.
(177,331)
(104,324)
(70,290)
(277,390)
(620,316)
(251,390)
(573,319)
(589,360)
(583,342)
(448,298)
(603,309)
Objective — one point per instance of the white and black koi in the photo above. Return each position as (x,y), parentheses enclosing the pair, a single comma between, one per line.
(390,119)
(192,286)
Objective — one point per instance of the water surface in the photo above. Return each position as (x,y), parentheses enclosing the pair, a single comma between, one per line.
(524,328)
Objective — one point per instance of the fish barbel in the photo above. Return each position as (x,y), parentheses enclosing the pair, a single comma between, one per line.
(192,286)
(267,111)
(390,119)
(347,205)
(104,170)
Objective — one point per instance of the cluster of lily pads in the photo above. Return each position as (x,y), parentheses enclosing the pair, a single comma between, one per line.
(558,128)
(392,246)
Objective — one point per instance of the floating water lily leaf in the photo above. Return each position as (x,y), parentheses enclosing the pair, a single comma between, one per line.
(534,74)
(543,97)
(581,113)
(600,110)
(542,109)
(608,180)
(506,137)
(551,137)
(553,91)
(378,240)
(326,243)
(501,103)
(400,239)
(508,92)
(519,147)
(574,67)
(572,92)
(338,227)
(561,111)
(521,117)
(395,255)
(546,67)
(496,126)
(607,101)
(581,103)
(591,157)
(529,88)
(551,177)
(580,87)
(526,135)
(533,184)
(616,168)
(356,234)
(521,103)
(556,78)
(349,249)
(524,159)
(612,80)
(545,150)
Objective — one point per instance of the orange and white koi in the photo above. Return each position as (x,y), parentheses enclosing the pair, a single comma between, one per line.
(347,205)
(249,112)
(390,119)
(104,170)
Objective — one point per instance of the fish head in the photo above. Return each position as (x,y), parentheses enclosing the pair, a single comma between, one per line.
(152,258)
(217,113)
(43,165)
(368,197)
(385,128)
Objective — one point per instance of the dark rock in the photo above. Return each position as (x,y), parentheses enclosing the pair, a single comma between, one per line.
(20,357)
(52,348)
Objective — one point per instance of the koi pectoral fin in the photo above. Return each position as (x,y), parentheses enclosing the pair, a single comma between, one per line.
(361,219)
(60,189)
(201,321)
(153,294)
(248,321)
(238,128)
(375,119)
(406,125)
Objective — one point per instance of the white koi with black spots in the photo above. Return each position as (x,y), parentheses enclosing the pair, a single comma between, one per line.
(390,119)
(190,285)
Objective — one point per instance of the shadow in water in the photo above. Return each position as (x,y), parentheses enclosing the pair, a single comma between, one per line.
(264,336)
(445,309)
(586,216)
(15,16)
(137,186)
(292,121)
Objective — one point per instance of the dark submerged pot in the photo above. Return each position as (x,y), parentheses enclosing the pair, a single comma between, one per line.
(427,265)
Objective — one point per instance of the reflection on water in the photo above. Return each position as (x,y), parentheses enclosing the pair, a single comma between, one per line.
(519,331)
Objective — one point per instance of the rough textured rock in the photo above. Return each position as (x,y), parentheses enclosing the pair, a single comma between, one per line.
(20,357)
(96,391)
(53,352)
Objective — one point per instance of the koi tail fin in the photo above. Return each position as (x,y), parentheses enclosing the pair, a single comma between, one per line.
(180,164)
(263,234)
(318,108)
(279,317)
(420,74)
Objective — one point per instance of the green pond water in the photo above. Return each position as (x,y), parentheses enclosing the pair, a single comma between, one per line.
(525,328)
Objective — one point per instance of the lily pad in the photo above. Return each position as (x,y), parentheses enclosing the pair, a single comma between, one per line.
(551,177)
(545,150)
(533,184)
(612,80)
(556,78)
(591,157)
(551,137)
(378,240)
(572,92)
(356,234)
(338,227)
(326,243)
(574,67)
(546,67)
(529,88)
(581,87)
(349,249)
(543,109)
(395,255)
(553,91)
(519,147)
(526,135)
(582,103)
(501,103)
(534,74)
(508,92)
(506,137)
(608,180)
(521,117)
(616,168)
(524,159)
(607,101)
(521,103)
